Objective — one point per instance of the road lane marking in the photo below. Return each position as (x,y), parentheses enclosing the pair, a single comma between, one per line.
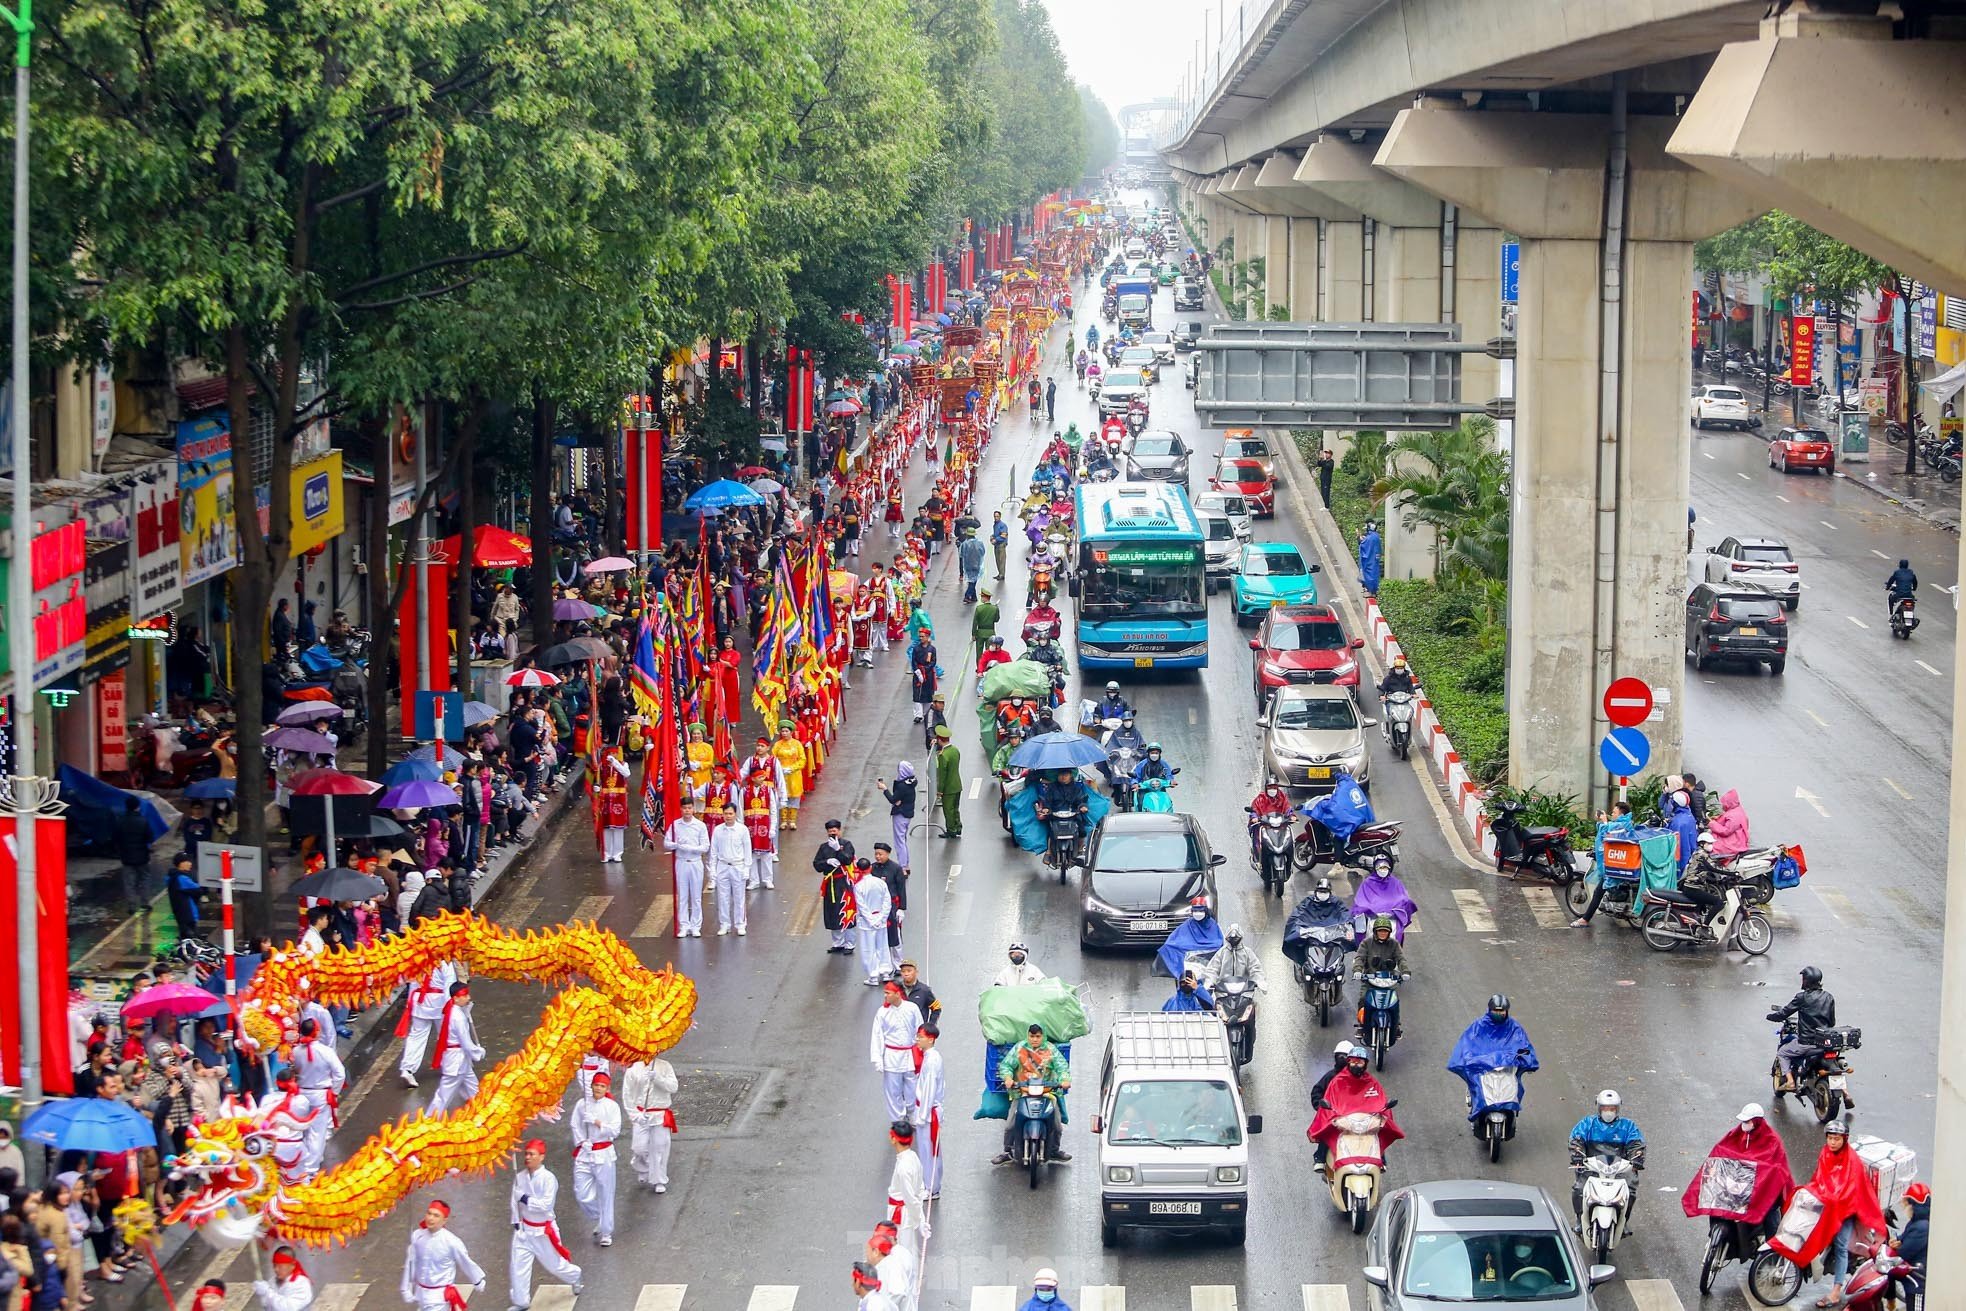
(559,1297)
(661,1297)
(1474,911)
(993,1297)
(1837,904)
(1191,717)
(1827,524)
(339,1297)
(1542,904)
(1332,1297)
(764,1297)
(955,872)
(1709,455)
(525,886)
(1820,721)
(1743,477)
(1815,802)
(588,910)
(955,914)
(806,917)
(659,920)
(1879,554)
(1928,669)
(1653,1295)
(1915,909)
(1858,622)
(1212,1297)
(1893,785)
(1103,1297)
(523,909)
(1783,499)
(976,787)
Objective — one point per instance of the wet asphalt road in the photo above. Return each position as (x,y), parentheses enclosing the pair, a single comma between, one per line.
(782,1161)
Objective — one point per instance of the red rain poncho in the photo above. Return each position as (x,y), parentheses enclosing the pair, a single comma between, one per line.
(1845,1189)
(1718,1186)
(1350,1094)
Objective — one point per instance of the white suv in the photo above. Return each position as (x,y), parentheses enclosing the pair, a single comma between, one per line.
(1721,405)
(1763,561)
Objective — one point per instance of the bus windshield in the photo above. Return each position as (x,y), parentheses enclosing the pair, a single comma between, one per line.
(1112,589)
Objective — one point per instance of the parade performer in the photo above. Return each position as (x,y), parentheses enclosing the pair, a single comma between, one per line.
(290,1289)
(898,1268)
(761,763)
(322,1077)
(421,1015)
(894,515)
(726,670)
(646,1089)
(730,861)
(836,901)
(762,826)
(285,1118)
(721,794)
(611,799)
(871,907)
(862,621)
(790,754)
(689,838)
(535,1235)
(702,757)
(437,1263)
(592,1064)
(457,1049)
(930,1087)
(891,1046)
(907,1191)
(596,1123)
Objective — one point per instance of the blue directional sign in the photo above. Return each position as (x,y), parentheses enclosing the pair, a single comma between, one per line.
(439,710)
(1624,751)
(1511,271)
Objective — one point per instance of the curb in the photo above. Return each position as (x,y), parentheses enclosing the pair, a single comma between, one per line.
(1915,508)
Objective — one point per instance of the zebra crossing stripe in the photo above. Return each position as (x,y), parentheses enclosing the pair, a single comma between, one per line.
(993,1297)
(1542,904)
(1474,911)
(1212,1297)
(659,920)
(339,1297)
(764,1297)
(588,910)
(1653,1295)
(1103,1297)
(1327,1297)
(661,1297)
(547,1297)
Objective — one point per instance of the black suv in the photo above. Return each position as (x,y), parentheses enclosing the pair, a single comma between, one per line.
(1186,333)
(1143,872)
(1736,622)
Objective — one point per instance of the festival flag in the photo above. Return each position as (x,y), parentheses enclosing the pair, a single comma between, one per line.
(651,829)
(642,673)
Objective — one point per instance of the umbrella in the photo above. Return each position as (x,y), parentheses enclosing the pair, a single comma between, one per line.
(944,319)
(767,486)
(301,739)
(479,712)
(722,494)
(303,713)
(1059,750)
(607,564)
(89,1124)
(753,471)
(212,789)
(492,548)
(339,884)
(328,783)
(418,793)
(908,348)
(176,998)
(373,826)
(848,406)
(576,651)
(531,678)
(405,771)
(309,694)
(838,394)
(569,607)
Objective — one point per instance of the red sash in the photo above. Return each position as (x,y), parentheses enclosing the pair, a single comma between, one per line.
(553,1237)
(668,1115)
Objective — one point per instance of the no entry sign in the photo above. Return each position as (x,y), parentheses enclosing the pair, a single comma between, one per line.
(1627,702)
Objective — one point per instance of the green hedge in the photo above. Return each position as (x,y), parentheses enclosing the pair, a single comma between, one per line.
(1458,679)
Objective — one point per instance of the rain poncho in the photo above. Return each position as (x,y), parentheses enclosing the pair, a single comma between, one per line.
(1383,895)
(1198,1000)
(1838,1190)
(1312,914)
(1730,826)
(1344,809)
(1190,935)
(1485,1047)
(1029,830)
(1370,561)
(1744,1177)
(1680,819)
(1353,1094)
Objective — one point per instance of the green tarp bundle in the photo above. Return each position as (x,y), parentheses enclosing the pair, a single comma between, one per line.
(1007,1014)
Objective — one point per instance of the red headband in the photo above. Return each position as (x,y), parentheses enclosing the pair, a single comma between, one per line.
(536,1145)
(445,1207)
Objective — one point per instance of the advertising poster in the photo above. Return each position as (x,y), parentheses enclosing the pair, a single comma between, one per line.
(157,567)
(317,506)
(208,534)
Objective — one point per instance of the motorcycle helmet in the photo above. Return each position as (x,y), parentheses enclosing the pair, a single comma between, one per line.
(1706,841)
(1045,1278)
(1609,1101)
(1357,1059)
(1382,864)
(1234,936)
(1498,1007)
(1382,924)
(1918,1194)
(1751,1112)
(997,640)
(1399,662)
(1811,977)
(1112,689)
(1017,953)
(1836,1127)
(1126,718)
(1153,749)
(1322,892)
(1343,1049)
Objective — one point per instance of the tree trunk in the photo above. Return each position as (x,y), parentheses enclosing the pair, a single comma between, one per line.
(381,618)
(467,525)
(252,588)
(542,516)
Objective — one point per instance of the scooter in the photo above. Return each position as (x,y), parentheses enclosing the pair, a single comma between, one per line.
(1608,1182)
(1904,617)
(1878,1275)
(1235,1002)
(1501,1101)
(1542,851)
(1010,782)
(1377,1004)
(1323,972)
(1153,798)
(1672,918)
(1316,846)
(1731,1240)
(1824,1084)
(1399,721)
(1354,1165)
(1063,845)
(1272,854)
(1035,1110)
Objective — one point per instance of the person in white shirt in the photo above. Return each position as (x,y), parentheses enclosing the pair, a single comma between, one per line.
(867,1287)
(290,1289)
(457,1052)
(323,1022)
(322,1077)
(891,1047)
(899,1269)
(596,1124)
(730,861)
(646,1090)
(591,1064)
(437,1263)
(535,1234)
(421,1015)
(1020,971)
(907,1192)
(314,941)
(284,1119)
(930,1088)
(872,904)
(689,838)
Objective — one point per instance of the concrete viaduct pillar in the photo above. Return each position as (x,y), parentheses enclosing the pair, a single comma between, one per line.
(1887,174)
(1598,545)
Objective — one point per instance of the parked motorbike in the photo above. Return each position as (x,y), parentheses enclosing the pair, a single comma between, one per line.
(1035,1110)
(1235,1002)
(1824,1082)
(1315,845)
(1672,918)
(175,755)
(1904,617)
(1272,854)
(1539,850)
(1399,721)
(1608,1180)
(1356,1162)
(1064,840)
(1322,974)
(1377,1004)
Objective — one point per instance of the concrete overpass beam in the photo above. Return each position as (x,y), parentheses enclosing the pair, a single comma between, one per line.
(1598,542)
(1276,266)
(1342,274)
(1305,285)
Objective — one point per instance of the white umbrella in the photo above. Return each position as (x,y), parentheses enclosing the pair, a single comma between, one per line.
(766,486)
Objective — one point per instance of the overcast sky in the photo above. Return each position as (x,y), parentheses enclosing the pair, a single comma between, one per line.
(1128,50)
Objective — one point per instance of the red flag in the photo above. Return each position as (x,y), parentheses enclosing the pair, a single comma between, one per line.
(51,940)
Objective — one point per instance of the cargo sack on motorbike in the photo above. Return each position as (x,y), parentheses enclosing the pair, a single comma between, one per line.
(1025,678)
(1007,1014)
(995,1102)
(1789,868)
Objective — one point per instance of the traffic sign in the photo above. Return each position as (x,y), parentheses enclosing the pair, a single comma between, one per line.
(1624,751)
(1627,702)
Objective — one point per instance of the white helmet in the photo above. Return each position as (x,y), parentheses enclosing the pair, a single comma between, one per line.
(1609,1097)
(1752,1111)
(1344,1047)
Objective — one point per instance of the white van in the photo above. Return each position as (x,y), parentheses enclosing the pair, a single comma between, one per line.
(1173,1137)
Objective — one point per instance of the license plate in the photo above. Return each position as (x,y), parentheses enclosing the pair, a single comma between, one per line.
(1143,662)
(1750,632)
(1317,771)
(1151,926)
(1838,1082)
(1174,1208)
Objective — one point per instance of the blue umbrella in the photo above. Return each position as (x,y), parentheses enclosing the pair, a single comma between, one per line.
(1059,750)
(89,1124)
(212,789)
(722,494)
(422,767)
(479,712)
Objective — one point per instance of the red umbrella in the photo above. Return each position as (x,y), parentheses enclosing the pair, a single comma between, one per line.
(309,694)
(753,471)
(329,783)
(531,678)
(492,548)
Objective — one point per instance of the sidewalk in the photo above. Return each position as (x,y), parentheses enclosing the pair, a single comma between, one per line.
(1934,501)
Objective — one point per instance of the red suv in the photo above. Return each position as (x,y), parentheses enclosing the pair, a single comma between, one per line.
(1302,644)
(1247,478)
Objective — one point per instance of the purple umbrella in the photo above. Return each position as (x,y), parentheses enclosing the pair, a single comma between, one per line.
(301,739)
(303,713)
(415,794)
(568,607)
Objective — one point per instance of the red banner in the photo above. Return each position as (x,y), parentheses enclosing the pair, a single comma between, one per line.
(440,637)
(1802,350)
(51,941)
(639,436)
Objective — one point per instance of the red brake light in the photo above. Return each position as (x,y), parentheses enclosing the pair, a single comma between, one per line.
(1715,617)
(1739,566)
(1790,568)
(1779,618)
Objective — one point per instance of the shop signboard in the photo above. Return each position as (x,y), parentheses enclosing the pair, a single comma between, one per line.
(106,592)
(104,411)
(316,507)
(112,718)
(208,537)
(59,613)
(402,463)
(1875,394)
(1928,322)
(1802,350)
(156,565)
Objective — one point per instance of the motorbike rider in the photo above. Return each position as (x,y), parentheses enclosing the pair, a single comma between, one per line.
(1381,953)
(1272,800)
(1236,960)
(1902,583)
(1189,995)
(1019,972)
(1113,705)
(1916,1234)
(1153,767)
(1016,714)
(1032,1061)
(1813,1013)
(339,631)
(1041,620)
(1491,1042)
(1341,1093)
(1064,790)
(1608,1127)
(1126,737)
(1399,678)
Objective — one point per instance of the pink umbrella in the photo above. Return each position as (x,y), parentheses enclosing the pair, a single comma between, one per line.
(532,678)
(303,740)
(305,713)
(607,564)
(174,998)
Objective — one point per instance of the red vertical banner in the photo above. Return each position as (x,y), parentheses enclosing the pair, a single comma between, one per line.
(1802,350)
(968,269)
(642,473)
(440,638)
(51,944)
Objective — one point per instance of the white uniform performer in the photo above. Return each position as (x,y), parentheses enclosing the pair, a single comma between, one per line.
(535,1235)
(907,1191)
(422,1014)
(437,1263)
(285,1118)
(322,1077)
(930,1087)
(646,1088)
(730,860)
(457,1049)
(891,1047)
(596,1124)
(323,1022)
(290,1289)
(591,1064)
(898,1267)
(689,838)
(871,906)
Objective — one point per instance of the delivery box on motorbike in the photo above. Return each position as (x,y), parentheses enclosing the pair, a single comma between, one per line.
(1892,1167)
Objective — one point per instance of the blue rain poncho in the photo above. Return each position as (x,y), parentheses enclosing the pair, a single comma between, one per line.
(1487,1046)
